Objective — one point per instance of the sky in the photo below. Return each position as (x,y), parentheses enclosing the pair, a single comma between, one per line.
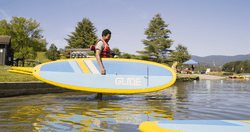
(205,27)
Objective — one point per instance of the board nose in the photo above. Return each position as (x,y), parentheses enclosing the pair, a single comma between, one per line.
(36,71)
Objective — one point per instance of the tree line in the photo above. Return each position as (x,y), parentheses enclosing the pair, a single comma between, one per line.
(27,40)
(237,66)
(26,36)
(157,43)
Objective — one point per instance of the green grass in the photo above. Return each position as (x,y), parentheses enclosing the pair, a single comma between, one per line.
(41,57)
(31,62)
(6,76)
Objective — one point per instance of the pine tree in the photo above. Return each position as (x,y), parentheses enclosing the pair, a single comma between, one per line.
(158,42)
(84,35)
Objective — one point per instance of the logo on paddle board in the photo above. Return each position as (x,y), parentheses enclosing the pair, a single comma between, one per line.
(128,81)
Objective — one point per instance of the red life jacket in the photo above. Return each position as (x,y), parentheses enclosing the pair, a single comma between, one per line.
(106,51)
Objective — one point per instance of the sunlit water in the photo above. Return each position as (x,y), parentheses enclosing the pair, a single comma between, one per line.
(205,99)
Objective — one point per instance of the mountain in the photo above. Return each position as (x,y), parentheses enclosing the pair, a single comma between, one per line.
(219,60)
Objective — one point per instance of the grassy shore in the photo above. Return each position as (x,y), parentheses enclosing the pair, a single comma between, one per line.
(41,58)
(6,76)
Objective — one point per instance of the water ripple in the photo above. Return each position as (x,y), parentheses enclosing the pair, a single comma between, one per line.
(200,100)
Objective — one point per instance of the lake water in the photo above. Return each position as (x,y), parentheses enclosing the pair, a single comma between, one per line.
(198,100)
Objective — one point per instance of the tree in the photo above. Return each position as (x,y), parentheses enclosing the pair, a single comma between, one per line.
(129,56)
(237,66)
(4,28)
(84,35)
(26,37)
(180,54)
(52,53)
(126,56)
(158,42)
(117,51)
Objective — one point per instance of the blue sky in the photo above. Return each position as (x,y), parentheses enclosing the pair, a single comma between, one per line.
(206,27)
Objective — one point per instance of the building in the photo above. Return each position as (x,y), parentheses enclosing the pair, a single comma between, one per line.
(6,53)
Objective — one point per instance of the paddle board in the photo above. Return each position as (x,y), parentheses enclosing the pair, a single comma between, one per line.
(196,126)
(123,76)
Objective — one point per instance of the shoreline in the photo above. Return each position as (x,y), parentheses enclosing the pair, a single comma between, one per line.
(209,77)
(10,89)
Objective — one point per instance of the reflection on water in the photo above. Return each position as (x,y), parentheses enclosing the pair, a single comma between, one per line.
(205,99)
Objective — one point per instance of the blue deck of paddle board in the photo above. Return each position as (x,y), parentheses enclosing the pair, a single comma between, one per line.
(132,68)
(120,74)
(112,67)
(63,66)
(105,81)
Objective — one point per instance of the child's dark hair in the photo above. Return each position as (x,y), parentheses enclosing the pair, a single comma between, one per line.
(106,32)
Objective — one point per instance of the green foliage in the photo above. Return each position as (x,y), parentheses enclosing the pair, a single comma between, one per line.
(128,56)
(41,57)
(125,55)
(84,35)
(157,43)
(52,53)
(236,66)
(26,38)
(180,54)
(144,57)
(4,28)
(118,52)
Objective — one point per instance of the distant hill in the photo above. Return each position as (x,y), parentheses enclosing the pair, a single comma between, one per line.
(219,60)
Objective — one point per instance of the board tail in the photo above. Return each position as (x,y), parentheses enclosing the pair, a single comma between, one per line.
(22,70)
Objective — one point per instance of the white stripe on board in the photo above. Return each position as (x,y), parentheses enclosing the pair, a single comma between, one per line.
(75,66)
(92,67)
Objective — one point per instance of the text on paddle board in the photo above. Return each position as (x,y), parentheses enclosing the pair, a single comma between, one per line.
(128,81)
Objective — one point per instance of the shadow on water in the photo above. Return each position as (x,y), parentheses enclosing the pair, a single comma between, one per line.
(104,98)
(118,98)
(160,98)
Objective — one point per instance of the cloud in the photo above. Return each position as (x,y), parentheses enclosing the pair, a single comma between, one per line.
(5,16)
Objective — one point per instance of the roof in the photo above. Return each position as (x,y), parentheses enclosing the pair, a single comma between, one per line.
(87,50)
(4,39)
(191,61)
